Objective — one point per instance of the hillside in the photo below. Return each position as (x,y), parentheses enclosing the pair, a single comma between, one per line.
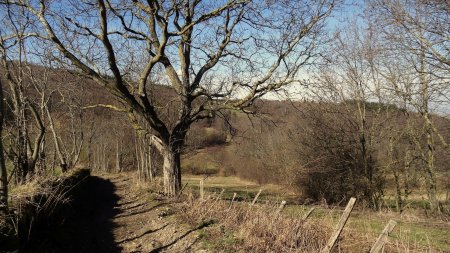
(283,142)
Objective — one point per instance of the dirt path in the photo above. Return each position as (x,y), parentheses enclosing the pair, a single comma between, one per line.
(116,217)
(144,225)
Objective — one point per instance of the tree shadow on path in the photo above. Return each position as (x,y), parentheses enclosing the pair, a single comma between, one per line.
(88,225)
(199,227)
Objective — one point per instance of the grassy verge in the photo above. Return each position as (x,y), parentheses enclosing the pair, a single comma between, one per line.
(414,231)
(38,206)
(423,234)
(241,228)
(245,190)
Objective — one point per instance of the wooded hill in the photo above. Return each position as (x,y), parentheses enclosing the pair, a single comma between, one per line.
(323,150)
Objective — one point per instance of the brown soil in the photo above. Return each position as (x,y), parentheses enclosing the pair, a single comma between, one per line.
(116,217)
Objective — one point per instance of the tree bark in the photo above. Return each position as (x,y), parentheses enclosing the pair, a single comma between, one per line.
(429,168)
(62,159)
(137,154)
(151,167)
(171,166)
(172,172)
(3,172)
(431,174)
(142,158)
(104,161)
(117,158)
(35,151)
(22,158)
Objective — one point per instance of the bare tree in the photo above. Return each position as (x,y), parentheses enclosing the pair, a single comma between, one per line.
(347,118)
(12,46)
(3,172)
(228,53)
(68,149)
(417,67)
(420,27)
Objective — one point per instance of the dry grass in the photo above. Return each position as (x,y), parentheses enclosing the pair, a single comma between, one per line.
(240,227)
(245,189)
(41,196)
(244,228)
(415,231)
(35,205)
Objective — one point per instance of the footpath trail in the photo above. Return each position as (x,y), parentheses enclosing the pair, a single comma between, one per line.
(116,217)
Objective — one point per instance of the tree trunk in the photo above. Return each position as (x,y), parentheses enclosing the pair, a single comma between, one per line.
(395,171)
(429,168)
(104,162)
(142,158)
(34,152)
(22,159)
(138,160)
(3,172)
(3,181)
(431,175)
(62,159)
(171,166)
(117,158)
(151,168)
(172,171)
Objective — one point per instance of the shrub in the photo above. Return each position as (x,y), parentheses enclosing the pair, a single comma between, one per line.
(213,137)
(341,161)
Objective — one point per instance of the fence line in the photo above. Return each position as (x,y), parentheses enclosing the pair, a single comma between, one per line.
(376,248)
(308,214)
(342,221)
(256,197)
(382,239)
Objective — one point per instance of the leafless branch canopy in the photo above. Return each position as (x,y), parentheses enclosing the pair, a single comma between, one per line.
(215,54)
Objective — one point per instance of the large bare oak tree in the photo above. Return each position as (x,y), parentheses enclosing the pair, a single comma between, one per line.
(216,55)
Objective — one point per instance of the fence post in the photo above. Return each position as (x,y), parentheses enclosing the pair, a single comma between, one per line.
(202,192)
(308,213)
(181,191)
(382,238)
(256,197)
(231,203)
(280,208)
(220,194)
(337,231)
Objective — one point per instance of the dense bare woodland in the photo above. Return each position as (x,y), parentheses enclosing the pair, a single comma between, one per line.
(180,126)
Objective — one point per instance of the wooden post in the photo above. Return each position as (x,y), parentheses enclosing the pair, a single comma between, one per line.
(337,231)
(382,239)
(280,208)
(181,191)
(232,200)
(220,195)
(256,197)
(308,214)
(202,192)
